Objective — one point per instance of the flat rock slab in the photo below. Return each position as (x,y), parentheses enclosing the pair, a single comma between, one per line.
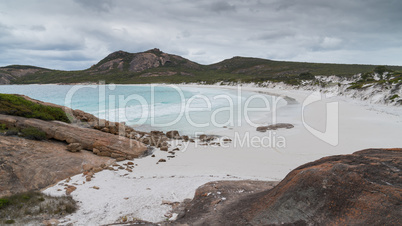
(105,144)
(32,165)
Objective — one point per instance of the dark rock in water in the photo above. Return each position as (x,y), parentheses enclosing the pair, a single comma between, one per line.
(157,133)
(364,188)
(162,160)
(207,138)
(173,134)
(275,127)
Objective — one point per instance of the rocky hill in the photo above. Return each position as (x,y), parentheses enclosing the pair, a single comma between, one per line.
(139,62)
(11,73)
(155,66)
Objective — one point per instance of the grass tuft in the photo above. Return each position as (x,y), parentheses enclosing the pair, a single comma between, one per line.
(19,106)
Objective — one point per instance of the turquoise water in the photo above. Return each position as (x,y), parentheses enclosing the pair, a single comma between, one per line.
(187,109)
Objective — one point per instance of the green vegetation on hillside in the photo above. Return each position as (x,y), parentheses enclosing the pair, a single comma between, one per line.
(233,70)
(19,106)
(384,74)
(117,68)
(24,67)
(31,133)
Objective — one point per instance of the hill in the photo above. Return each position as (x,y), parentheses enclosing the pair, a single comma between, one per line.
(156,66)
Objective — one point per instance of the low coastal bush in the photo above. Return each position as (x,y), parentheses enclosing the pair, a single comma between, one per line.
(356,86)
(12,131)
(306,76)
(30,207)
(19,106)
(4,202)
(394,97)
(33,133)
(29,133)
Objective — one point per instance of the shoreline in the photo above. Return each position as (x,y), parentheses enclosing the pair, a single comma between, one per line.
(139,194)
(178,177)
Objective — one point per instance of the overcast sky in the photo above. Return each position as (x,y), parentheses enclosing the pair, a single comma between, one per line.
(74,34)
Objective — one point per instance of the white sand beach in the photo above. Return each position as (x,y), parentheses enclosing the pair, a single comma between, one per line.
(139,194)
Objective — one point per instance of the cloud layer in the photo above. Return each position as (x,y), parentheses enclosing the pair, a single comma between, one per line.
(74,34)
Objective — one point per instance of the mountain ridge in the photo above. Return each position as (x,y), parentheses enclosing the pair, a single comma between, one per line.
(156,66)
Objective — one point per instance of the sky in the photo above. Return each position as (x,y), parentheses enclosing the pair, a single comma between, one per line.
(75,34)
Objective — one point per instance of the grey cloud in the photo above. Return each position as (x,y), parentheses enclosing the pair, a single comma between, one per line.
(204,31)
(96,5)
(38,28)
(221,6)
(272,35)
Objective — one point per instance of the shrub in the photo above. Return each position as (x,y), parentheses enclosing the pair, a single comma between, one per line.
(4,202)
(19,106)
(12,132)
(306,76)
(9,221)
(380,69)
(3,127)
(356,86)
(33,133)
(26,197)
(394,97)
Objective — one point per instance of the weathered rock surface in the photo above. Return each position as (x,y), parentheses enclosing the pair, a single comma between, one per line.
(31,165)
(105,143)
(212,198)
(275,127)
(364,188)
(172,134)
(86,120)
(139,62)
(74,147)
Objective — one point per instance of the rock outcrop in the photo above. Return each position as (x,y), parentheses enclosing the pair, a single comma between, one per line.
(31,165)
(105,143)
(85,120)
(140,62)
(364,188)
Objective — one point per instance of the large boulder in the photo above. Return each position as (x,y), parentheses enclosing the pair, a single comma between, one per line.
(173,134)
(364,188)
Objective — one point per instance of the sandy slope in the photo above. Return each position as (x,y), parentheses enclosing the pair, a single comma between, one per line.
(139,194)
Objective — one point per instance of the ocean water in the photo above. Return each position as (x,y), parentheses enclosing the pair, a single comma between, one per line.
(189,110)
